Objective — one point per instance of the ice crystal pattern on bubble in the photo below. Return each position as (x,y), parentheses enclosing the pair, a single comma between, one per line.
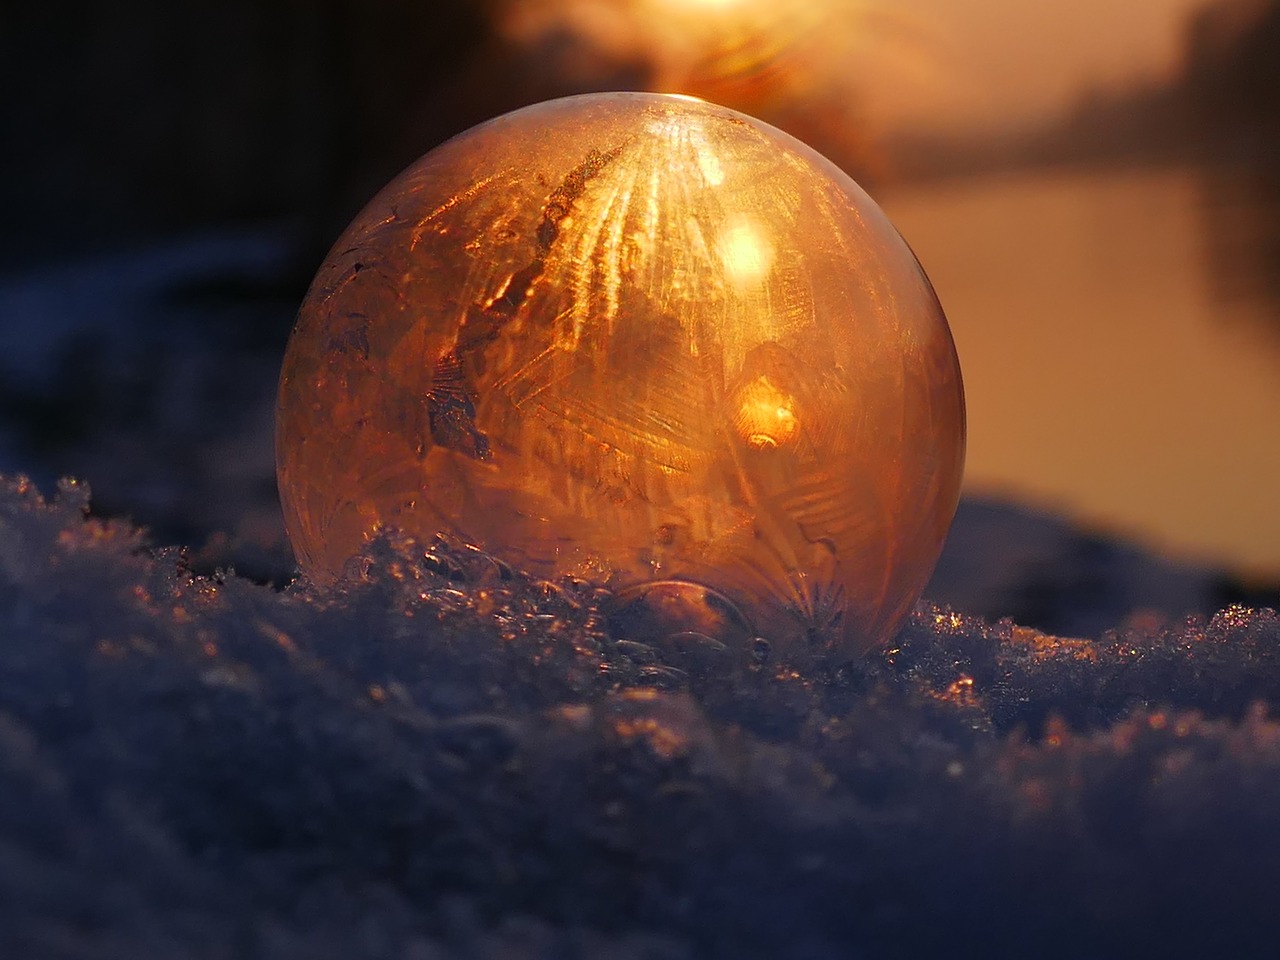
(633,338)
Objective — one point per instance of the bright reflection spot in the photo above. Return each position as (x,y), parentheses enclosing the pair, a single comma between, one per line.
(709,164)
(689,141)
(746,251)
(766,415)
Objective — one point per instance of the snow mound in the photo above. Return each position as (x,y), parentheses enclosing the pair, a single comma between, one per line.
(439,758)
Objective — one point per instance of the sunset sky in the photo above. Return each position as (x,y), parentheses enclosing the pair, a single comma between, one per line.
(995,60)
(905,63)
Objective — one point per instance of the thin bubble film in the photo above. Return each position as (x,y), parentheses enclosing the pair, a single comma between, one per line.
(633,338)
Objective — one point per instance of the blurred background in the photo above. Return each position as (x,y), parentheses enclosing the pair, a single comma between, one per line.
(1093,187)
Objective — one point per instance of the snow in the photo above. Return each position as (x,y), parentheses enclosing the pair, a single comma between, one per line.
(441,759)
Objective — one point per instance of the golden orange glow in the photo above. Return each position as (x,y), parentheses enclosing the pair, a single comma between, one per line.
(642,340)
(766,416)
(686,4)
(961,693)
(661,739)
(747,252)
(1043,646)
(813,67)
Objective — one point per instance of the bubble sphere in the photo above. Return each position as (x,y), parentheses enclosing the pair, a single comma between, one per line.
(639,339)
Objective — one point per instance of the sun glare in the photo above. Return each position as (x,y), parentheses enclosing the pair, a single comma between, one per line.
(823,70)
(712,4)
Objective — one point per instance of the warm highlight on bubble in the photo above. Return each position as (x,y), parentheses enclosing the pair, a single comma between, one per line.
(637,339)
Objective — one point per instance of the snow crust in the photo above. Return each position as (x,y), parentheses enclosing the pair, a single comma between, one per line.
(440,758)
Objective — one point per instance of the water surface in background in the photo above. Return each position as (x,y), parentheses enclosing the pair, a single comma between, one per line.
(1119,334)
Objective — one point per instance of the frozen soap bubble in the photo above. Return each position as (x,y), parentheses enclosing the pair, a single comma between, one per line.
(639,339)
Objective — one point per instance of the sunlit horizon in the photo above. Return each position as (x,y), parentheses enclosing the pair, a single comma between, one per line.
(1007,61)
(907,65)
